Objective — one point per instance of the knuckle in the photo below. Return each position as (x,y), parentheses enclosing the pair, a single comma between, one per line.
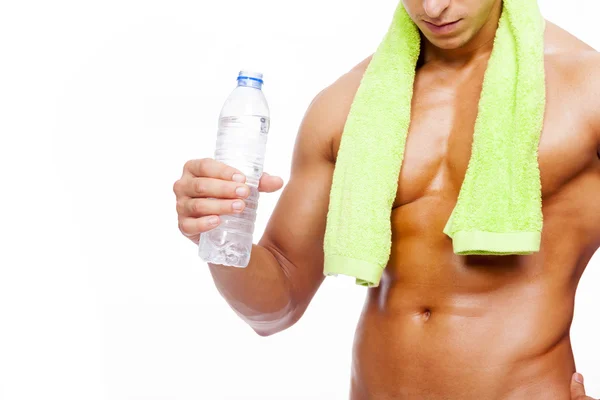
(188,166)
(180,206)
(182,228)
(177,186)
(199,187)
(195,207)
(203,164)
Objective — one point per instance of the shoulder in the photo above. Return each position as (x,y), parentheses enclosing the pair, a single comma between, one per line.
(570,57)
(573,70)
(326,116)
(337,98)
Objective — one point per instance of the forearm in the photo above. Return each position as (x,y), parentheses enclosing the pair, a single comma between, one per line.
(260,293)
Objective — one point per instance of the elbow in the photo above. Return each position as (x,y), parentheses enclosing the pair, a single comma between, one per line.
(288,311)
(265,332)
(286,314)
(270,327)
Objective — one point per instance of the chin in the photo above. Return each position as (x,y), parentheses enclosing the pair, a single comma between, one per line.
(449,43)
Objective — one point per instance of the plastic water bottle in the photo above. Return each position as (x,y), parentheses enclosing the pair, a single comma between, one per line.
(241,143)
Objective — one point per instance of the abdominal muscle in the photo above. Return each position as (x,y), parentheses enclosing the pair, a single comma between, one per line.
(443,326)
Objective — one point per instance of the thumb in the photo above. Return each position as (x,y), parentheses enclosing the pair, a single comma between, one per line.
(577,388)
(269,183)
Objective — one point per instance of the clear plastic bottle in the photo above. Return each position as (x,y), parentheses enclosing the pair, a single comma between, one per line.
(241,143)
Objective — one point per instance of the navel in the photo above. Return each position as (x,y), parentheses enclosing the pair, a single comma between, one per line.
(425,314)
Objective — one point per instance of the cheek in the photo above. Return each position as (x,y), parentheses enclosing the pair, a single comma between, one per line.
(412,7)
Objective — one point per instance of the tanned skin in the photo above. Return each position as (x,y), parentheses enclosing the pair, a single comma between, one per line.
(439,326)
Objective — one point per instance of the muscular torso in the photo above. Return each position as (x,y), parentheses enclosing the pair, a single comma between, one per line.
(443,326)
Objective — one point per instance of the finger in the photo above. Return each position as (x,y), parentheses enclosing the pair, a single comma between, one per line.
(269,183)
(577,388)
(211,187)
(194,226)
(187,207)
(211,168)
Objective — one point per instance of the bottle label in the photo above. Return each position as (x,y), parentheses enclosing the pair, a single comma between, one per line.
(241,143)
(250,123)
(264,125)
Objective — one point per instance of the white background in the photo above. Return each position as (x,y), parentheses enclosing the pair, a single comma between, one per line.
(101,104)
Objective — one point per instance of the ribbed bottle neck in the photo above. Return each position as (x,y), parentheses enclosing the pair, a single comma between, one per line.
(250,79)
(250,82)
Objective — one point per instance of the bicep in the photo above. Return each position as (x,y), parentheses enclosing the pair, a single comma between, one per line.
(295,231)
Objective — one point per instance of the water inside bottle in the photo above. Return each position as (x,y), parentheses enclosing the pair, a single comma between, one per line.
(225,247)
(241,143)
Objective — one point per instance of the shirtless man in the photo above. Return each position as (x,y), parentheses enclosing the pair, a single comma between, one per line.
(439,326)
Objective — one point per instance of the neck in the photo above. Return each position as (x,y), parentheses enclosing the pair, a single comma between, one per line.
(479,45)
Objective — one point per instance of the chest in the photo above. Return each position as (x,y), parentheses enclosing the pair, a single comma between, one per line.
(440,137)
(438,146)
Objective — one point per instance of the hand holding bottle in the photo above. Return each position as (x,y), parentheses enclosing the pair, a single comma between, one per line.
(208,189)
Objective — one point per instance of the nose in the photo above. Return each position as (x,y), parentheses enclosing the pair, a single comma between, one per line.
(435,8)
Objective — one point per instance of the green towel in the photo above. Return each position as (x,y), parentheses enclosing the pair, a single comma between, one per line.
(499,207)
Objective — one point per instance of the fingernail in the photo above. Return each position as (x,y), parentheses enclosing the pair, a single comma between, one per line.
(578,377)
(241,191)
(237,205)
(238,178)
(213,220)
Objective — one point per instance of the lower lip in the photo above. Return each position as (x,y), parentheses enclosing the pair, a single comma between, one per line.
(444,29)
